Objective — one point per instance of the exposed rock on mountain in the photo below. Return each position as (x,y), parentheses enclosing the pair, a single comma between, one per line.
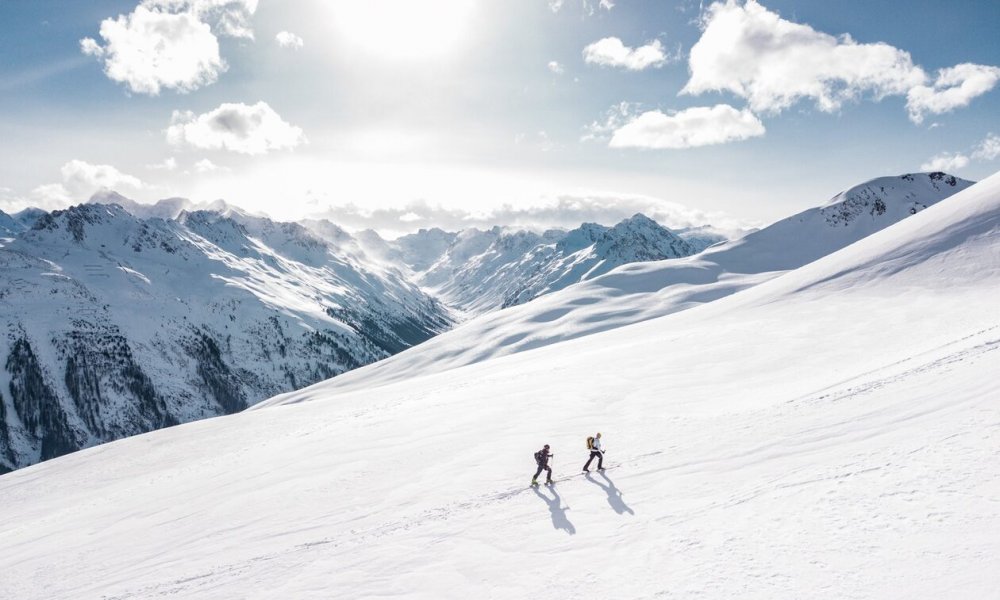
(115,325)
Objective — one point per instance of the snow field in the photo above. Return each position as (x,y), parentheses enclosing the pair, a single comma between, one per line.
(831,433)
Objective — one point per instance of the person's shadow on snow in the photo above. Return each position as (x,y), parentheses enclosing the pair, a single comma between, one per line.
(556,511)
(614,494)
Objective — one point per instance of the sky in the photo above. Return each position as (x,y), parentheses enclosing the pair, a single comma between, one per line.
(398,114)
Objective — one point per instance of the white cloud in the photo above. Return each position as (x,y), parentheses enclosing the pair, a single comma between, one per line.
(287,39)
(51,196)
(564,211)
(150,50)
(556,68)
(773,63)
(946,162)
(235,127)
(954,87)
(80,180)
(988,149)
(614,118)
(612,52)
(79,175)
(587,6)
(90,47)
(169,44)
(11,202)
(169,164)
(206,166)
(689,128)
(230,18)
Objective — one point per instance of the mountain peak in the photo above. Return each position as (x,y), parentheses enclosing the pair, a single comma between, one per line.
(79,218)
(639,238)
(640,219)
(890,197)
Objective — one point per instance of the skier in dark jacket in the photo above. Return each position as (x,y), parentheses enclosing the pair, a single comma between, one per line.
(596,451)
(542,458)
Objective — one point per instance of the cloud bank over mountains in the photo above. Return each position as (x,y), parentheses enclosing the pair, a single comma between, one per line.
(80,180)
(563,212)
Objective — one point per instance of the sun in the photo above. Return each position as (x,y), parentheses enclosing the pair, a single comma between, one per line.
(403,29)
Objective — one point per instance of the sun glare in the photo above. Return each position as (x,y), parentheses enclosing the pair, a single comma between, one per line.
(403,29)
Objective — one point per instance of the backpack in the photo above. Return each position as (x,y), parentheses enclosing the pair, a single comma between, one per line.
(590,442)
(538,457)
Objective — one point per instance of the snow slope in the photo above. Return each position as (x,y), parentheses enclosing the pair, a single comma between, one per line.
(112,325)
(831,433)
(641,291)
(117,317)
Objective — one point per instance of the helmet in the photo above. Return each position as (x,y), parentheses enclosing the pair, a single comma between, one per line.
(546,446)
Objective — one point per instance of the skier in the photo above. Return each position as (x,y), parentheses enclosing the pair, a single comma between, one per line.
(594,445)
(542,458)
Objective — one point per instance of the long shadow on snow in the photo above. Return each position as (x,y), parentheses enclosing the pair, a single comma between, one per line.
(556,511)
(614,494)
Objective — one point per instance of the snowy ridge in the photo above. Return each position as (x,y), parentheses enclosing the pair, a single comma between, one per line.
(167,208)
(479,271)
(821,435)
(642,291)
(115,325)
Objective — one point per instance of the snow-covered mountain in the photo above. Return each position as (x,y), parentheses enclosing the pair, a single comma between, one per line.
(642,291)
(234,308)
(830,433)
(167,208)
(9,226)
(115,325)
(121,317)
(479,271)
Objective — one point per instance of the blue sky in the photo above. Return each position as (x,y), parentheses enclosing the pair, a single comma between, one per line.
(518,111)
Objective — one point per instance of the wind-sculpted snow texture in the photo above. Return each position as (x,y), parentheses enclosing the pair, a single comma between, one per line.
(115,325)
(830,433)
(642,291)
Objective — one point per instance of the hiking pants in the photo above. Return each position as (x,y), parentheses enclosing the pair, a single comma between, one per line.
(600,460)
(543,467)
